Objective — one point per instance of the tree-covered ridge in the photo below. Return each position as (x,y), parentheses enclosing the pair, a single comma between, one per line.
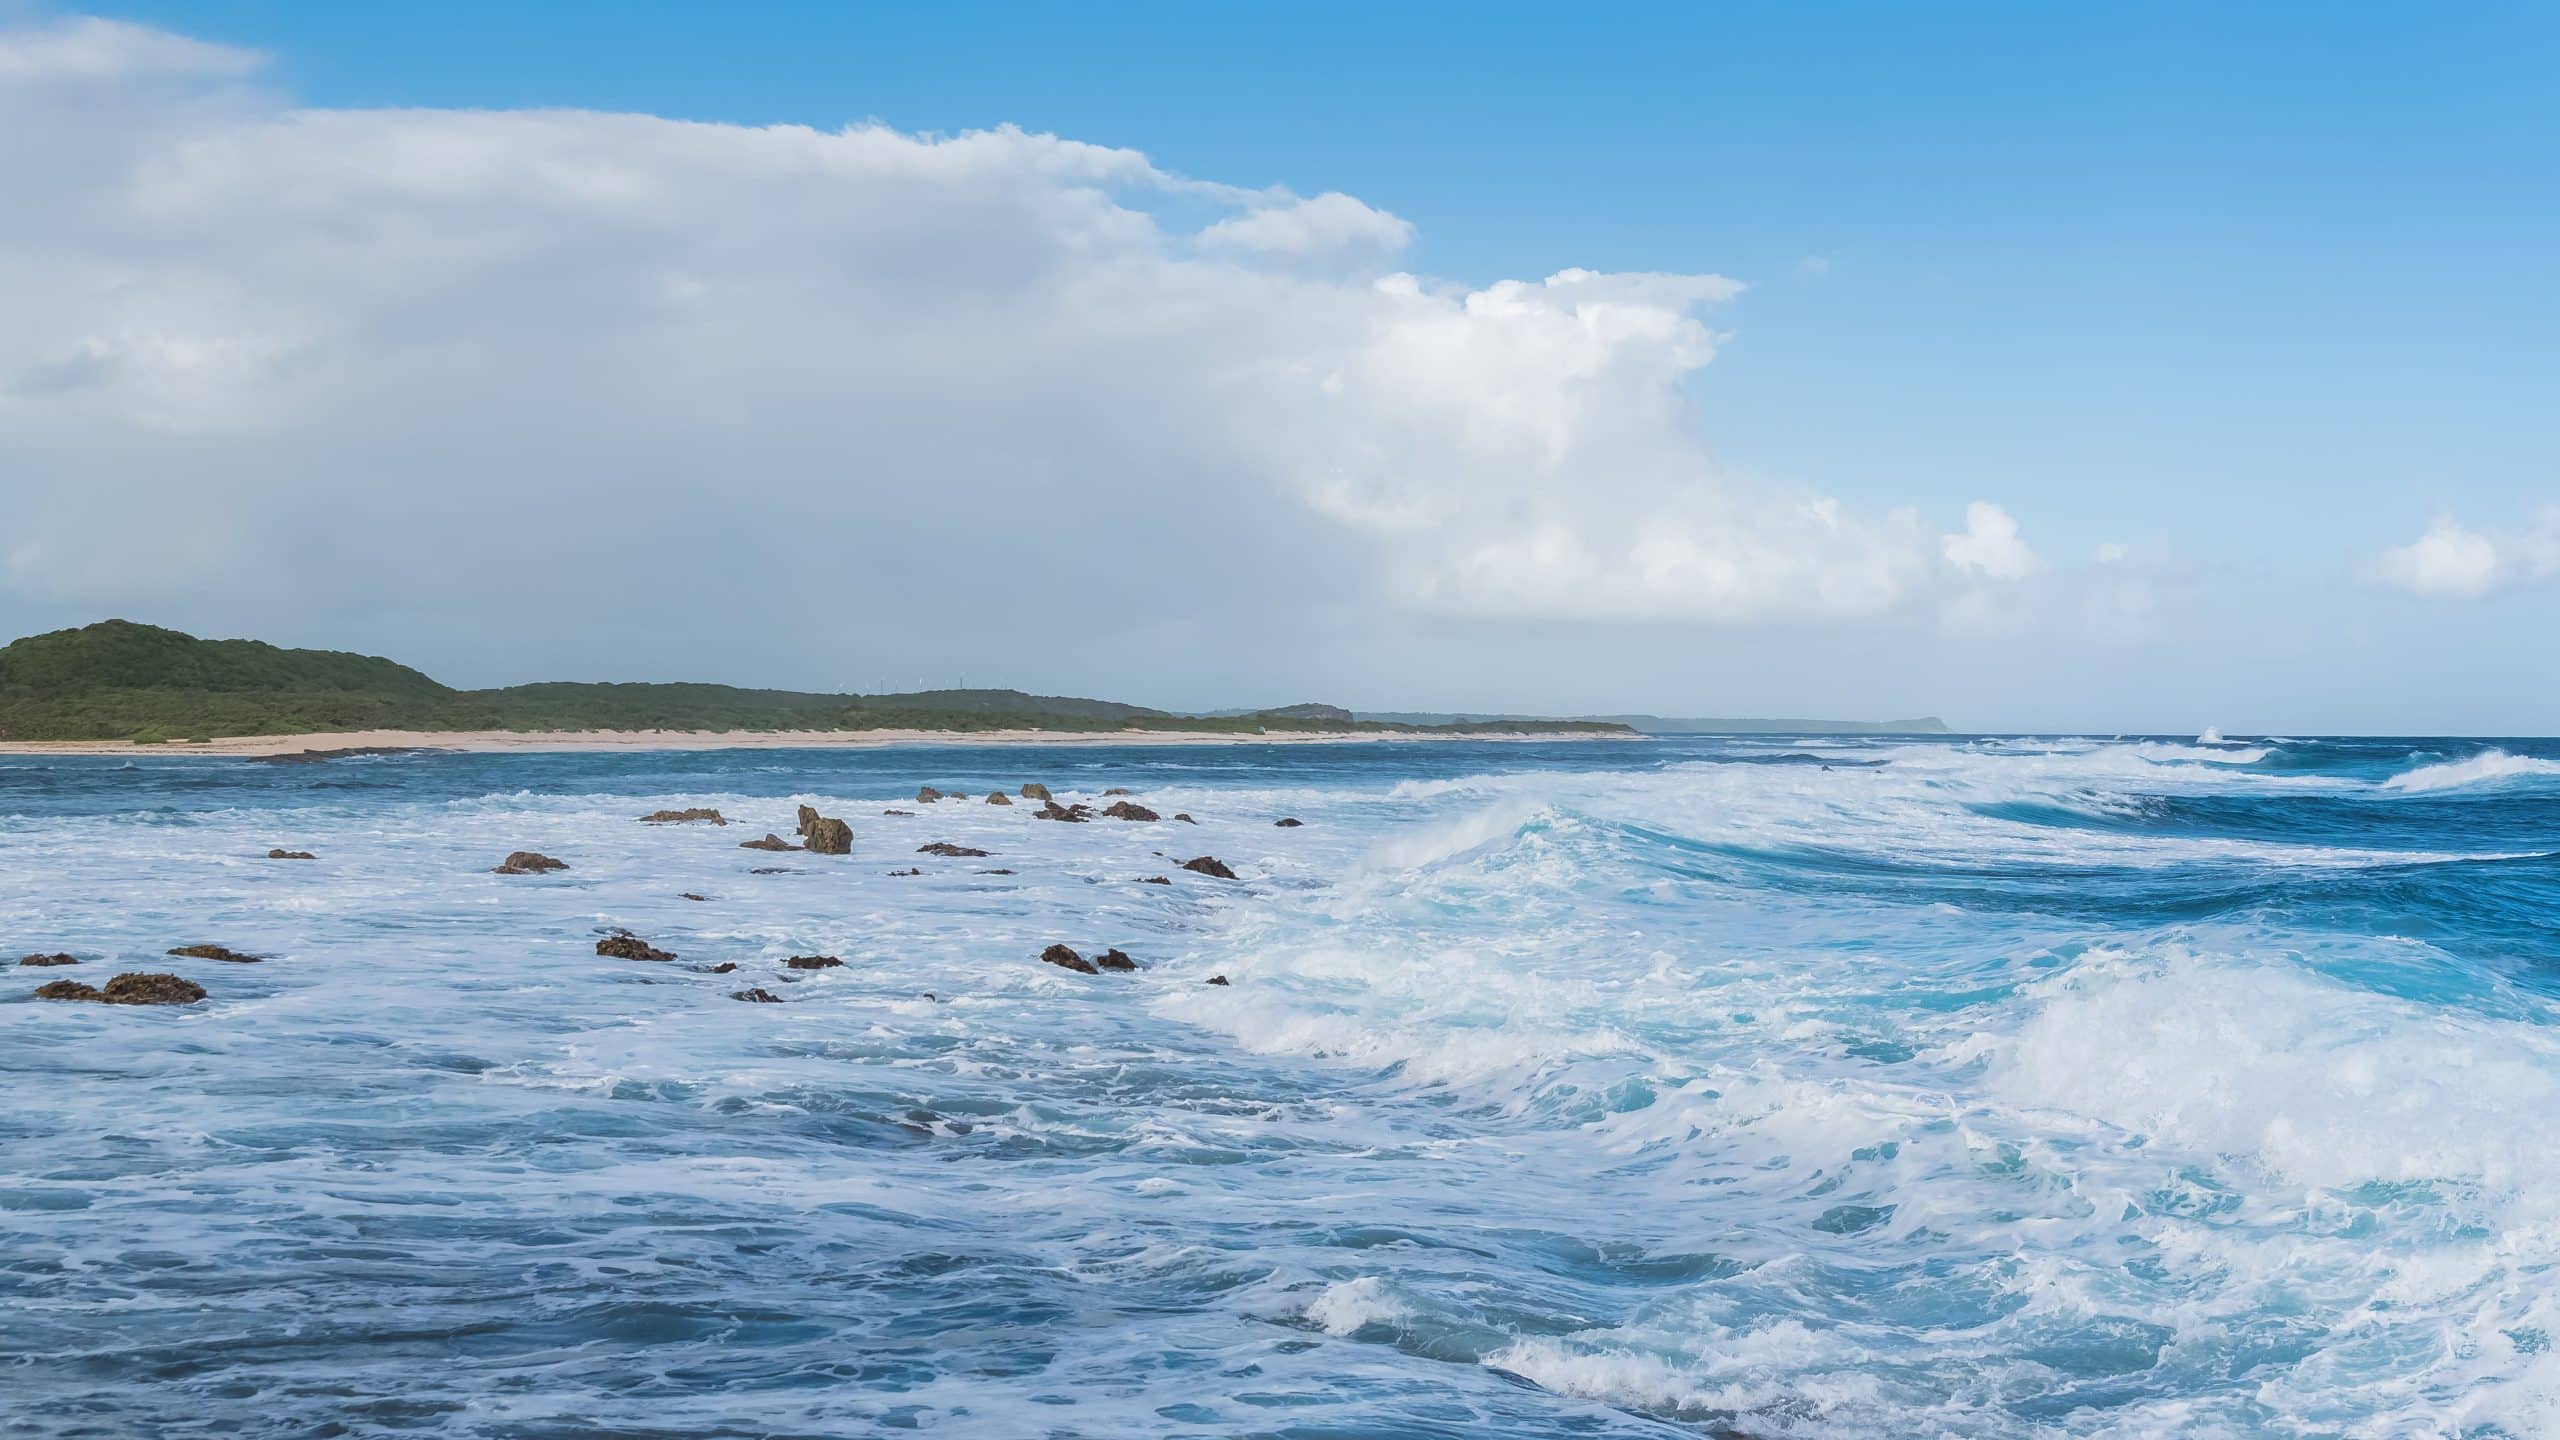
(117,680)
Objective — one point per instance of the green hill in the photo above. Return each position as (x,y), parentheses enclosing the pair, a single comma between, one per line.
(117,680)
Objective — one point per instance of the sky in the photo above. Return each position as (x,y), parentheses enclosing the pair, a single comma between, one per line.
(2096,368)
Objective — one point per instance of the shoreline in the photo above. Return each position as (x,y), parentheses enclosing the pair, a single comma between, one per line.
(492,742)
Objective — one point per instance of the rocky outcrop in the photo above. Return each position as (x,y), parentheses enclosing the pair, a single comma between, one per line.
(685,817)
(1209,865)
(291,855)
(47,960)
(1184,818)
(623,945)
(1114,959)
(808,817)
(1217,979)
(830,836)
(529,862)
(1288,822)
(215,952)
(813,962)
(1065,958)
(998,797)
(1073,814)
(1125,810)
(135,989)
(956,852)
(1035,791)
(756,996)
(725,967)
(771,841)
(926,795)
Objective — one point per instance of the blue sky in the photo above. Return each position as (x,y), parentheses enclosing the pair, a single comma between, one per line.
(2257,292)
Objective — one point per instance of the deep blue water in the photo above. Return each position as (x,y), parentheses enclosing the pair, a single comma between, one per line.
(1769,1087)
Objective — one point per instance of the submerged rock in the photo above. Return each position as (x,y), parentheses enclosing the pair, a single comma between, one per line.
(1217,979)
(1209,865)
(529,862)
(998,797)
(214,952)
(1125,810)
(1072,814)
(770,841)
(56,959)
(1288,822)
(830,836)
(1065,958)
(757,996)
(684,817)
(689,895)
(725,967)
(1118,790)
(1157,880)
(1185,819)
(995,872)
(1035,791)
(956,852)
(1115,959)
(903,874)
(774,869)
(909,813)
(623,945)
(813,962)
(152,988)
(291,855)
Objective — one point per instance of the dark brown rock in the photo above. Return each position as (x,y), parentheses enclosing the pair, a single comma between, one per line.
(1217,979)
(926,795)
(1118,790)
(813,962)
(291,855)
(66,990)
(1125,810)
(903,874)
(830,836)
(771,841)
(1288,822)
(1072,814)
(808,817)
(1157,880)
(956,852)
(725,967)
(757,996)
(685,817)
(152,988)
(1185,819)
(1115,959)
(215,952)
(47,960)
(1035,792)
(898,812)
(1065,958)
(773,869)
(623,945)
(995,872)
(689,895)
(529,862)
(1209,865)
(998,797)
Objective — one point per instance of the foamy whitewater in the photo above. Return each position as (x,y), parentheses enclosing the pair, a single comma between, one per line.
(1785,1087)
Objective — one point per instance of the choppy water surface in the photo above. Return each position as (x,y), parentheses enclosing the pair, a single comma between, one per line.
(1772,1088)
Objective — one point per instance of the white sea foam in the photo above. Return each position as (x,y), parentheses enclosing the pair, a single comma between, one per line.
(2487,767)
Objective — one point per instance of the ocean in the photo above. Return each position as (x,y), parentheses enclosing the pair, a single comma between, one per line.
(1780,1086)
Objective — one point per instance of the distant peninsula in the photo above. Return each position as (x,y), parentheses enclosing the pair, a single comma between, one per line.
(141,684)
(1694,725)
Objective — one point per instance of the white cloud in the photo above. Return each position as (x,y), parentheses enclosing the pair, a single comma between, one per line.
(667,376)
(2452,562)
(1989,546)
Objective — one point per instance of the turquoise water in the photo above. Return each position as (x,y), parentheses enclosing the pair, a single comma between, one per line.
(1856,1088)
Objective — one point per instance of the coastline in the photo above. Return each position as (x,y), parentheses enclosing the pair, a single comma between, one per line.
(528,741)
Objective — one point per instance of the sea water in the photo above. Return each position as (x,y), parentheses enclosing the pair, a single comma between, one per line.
(1764,1087)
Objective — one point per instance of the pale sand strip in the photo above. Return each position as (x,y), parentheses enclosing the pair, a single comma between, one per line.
(647,740)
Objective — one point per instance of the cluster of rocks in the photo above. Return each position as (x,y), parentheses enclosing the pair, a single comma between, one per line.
(685,817)
(1066,958)
(824,834)
(623,945)
(138,988)
(215,952)
(291,855)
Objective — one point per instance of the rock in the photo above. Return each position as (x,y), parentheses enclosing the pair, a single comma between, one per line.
(927,795)
(1115,959)
(1118,790)
(830,836)
(956,852)
(903,874)
(774,869)
(1073,814)
(215,952)
(1127,811)
(1217,979)
(1209,865)
(813,962)
(808,817)
(1288,822)
(623,945)
(135,989)
(1065,958)
(898,812)
(684,817)
(757,996)
(1185,819)
(291,855)
(47,960)
(770,841)
(1157,880)
(66,990)
(725,967)
(689,895)
(1035,792)
(995,872)
(529,862)
(998,797)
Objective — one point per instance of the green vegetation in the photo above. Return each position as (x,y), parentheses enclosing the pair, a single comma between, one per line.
(120,681)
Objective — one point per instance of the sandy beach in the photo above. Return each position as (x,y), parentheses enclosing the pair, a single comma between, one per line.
(497,741)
